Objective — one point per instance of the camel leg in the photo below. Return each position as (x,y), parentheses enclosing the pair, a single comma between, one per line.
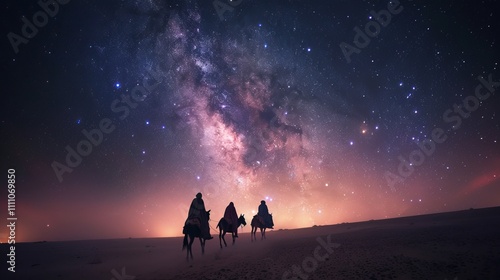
(220,238)
(202,242)
(189,248)
(224,238)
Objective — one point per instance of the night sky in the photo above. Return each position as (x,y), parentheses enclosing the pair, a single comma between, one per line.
(116,113)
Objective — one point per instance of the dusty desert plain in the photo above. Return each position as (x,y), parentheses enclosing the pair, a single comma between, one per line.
(455,245)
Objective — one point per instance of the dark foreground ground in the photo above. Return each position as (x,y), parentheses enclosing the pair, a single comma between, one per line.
(457,245)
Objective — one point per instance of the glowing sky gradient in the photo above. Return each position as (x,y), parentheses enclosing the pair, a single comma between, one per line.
(260,105)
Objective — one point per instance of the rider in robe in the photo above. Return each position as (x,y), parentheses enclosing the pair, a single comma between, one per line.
(264,214)
(197,210)
(232,218)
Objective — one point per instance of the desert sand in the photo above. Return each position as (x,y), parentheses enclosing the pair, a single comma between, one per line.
(455,245)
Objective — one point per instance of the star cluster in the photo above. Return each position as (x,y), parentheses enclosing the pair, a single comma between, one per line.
(258,105)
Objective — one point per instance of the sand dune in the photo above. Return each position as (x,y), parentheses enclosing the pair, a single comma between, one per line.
(456,245)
